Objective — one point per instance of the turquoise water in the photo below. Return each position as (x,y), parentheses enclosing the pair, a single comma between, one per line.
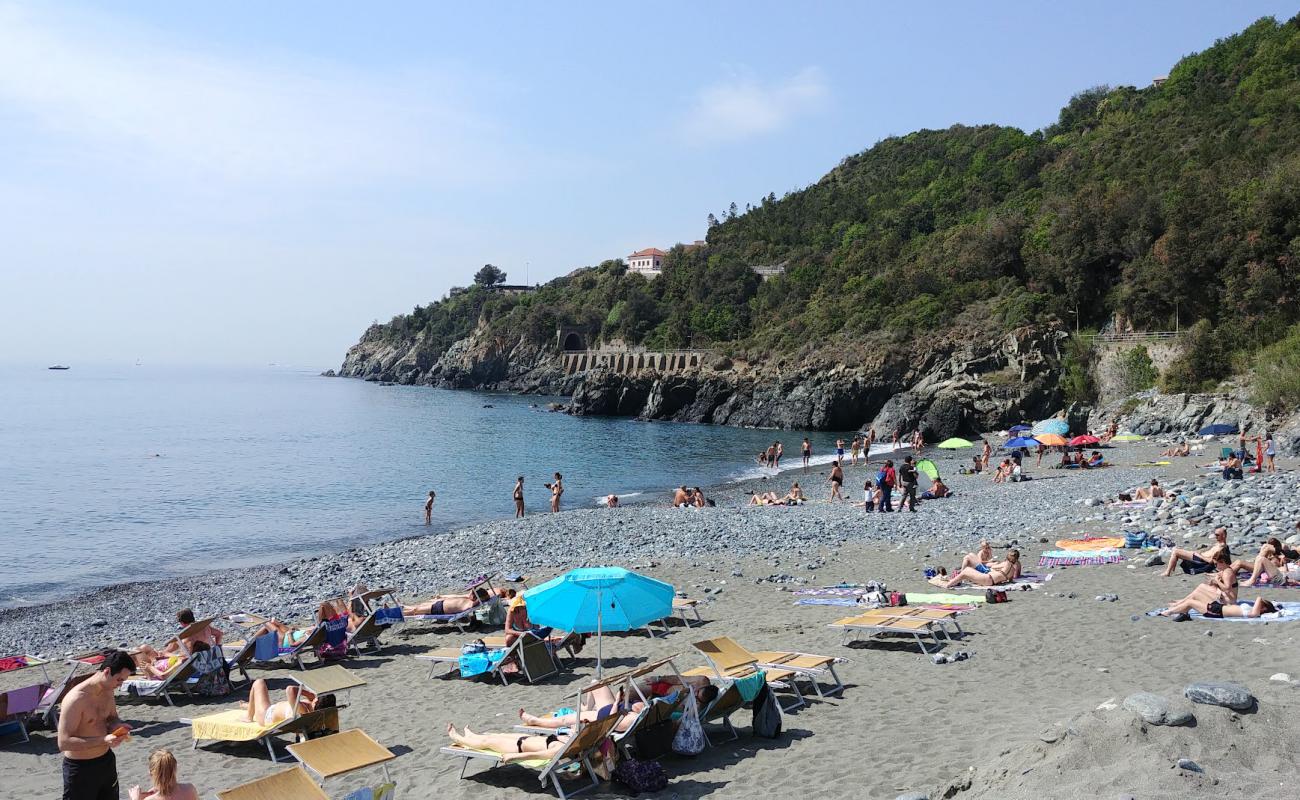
(117,474)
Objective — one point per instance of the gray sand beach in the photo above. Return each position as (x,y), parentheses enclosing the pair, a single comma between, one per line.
(1036,710)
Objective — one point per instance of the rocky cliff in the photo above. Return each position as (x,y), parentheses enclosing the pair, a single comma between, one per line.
(947,386)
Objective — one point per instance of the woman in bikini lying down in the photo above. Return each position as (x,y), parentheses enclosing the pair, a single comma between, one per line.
(298,701)
(511,746)
(1215,609)
(289,635)
(994,573)
(1271,561)
(448,604)
(603,702)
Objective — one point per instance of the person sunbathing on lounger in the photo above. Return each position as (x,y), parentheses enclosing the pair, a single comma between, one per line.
(156,665)
(1271,561)
(1202,562)
(298,701)
(511,746)
(993,574)
(443,604)
(289,635)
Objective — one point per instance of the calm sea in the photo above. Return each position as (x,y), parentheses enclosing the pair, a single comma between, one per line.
(115,474)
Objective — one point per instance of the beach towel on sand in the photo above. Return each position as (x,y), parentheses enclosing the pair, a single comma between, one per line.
(1088,543)
(1068,558)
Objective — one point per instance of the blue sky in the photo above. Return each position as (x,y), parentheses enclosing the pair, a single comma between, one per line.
(244,182)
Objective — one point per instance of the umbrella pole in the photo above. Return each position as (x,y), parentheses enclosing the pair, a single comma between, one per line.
(600,638)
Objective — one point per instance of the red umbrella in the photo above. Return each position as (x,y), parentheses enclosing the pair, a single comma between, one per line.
(1084,439)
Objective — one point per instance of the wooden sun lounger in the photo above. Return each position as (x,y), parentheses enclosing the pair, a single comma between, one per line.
(289,784)
(342,753)
(532,654)
(557,641)
(874,625)
(368,631)
(729,666)
(145,687)
(584,741)
(728,650)
(937,615)
(243,655)
(234,728)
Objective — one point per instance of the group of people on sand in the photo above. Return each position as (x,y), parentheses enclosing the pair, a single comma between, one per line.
(795,497)
(981,569)
(1217,596)
(691,497)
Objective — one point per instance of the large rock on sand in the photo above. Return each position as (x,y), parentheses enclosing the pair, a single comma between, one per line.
(1216,693)
(1156,710)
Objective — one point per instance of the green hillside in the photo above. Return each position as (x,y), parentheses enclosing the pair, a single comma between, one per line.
(1146,202)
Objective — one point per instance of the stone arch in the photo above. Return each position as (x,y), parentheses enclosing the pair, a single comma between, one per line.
(573,341)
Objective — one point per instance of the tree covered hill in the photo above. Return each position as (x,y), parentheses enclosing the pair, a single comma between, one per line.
(1138,203)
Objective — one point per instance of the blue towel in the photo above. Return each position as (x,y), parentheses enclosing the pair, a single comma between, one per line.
(472,664)
(750,686)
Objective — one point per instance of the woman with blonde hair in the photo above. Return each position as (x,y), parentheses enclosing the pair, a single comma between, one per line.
(162,771)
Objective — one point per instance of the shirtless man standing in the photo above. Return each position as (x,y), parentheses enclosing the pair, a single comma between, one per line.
(519,497)
(428,508)
(89,729)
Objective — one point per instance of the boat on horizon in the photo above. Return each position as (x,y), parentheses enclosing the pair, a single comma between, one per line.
(60,366)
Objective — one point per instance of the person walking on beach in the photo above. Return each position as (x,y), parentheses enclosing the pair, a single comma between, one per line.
(428,507)
(839,450)
(885,479)
(557,489)
(519,497)
(907,476)
(771,455)
(1270,453)
(837,481)
(987,452)
(854,447)
(807,453)
(89,730)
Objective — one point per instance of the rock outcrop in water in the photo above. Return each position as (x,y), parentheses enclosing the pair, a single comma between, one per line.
(946,386)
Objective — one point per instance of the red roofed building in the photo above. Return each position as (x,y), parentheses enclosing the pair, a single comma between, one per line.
(648,262)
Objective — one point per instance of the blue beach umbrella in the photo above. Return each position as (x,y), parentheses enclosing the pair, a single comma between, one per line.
(599,599)
(1057,426)
(1217,429)
(1019,442)
(1020,428)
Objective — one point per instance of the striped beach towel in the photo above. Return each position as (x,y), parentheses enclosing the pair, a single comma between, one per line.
(1077,558)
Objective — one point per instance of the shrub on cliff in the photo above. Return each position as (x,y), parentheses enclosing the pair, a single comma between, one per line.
(1276,380)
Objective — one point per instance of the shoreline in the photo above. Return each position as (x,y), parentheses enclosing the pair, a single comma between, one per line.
(430,561)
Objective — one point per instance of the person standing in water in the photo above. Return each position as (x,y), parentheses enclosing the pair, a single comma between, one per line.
(780,451)
(519,497)
(837,481)
(557,489)
(428,507)
(807,453)
(89,729)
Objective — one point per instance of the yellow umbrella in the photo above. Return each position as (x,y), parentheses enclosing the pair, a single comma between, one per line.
(1051,439)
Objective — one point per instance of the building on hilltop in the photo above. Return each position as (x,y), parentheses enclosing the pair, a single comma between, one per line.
(1159,80)
(510,288)
(648,262)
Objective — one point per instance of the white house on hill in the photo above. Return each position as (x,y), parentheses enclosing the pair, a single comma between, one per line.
(648,262)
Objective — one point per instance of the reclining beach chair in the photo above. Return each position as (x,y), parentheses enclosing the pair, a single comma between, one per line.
(176,681)
(720,710)
(874,624)
(585,740)
(558,641)
(290,784)
(730,667)
(267,647)
(232,726)
(532,654)
(341,754)
(369,631)
(238,655)
(48,709)
(727,650)
(939,616)
(20,703)
(681,608)
(461,620)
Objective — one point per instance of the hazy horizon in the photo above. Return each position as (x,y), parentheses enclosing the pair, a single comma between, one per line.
(240,185)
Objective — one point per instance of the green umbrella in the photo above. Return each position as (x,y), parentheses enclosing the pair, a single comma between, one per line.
(927,468)
(1129,437)
(954,444)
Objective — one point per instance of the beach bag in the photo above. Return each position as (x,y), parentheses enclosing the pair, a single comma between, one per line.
(767,717)
(897,599)
(641,776)
(336,638)
(880,479)
(1136,539)
(476,646)
(995,596)
(213,680)
(689,740)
